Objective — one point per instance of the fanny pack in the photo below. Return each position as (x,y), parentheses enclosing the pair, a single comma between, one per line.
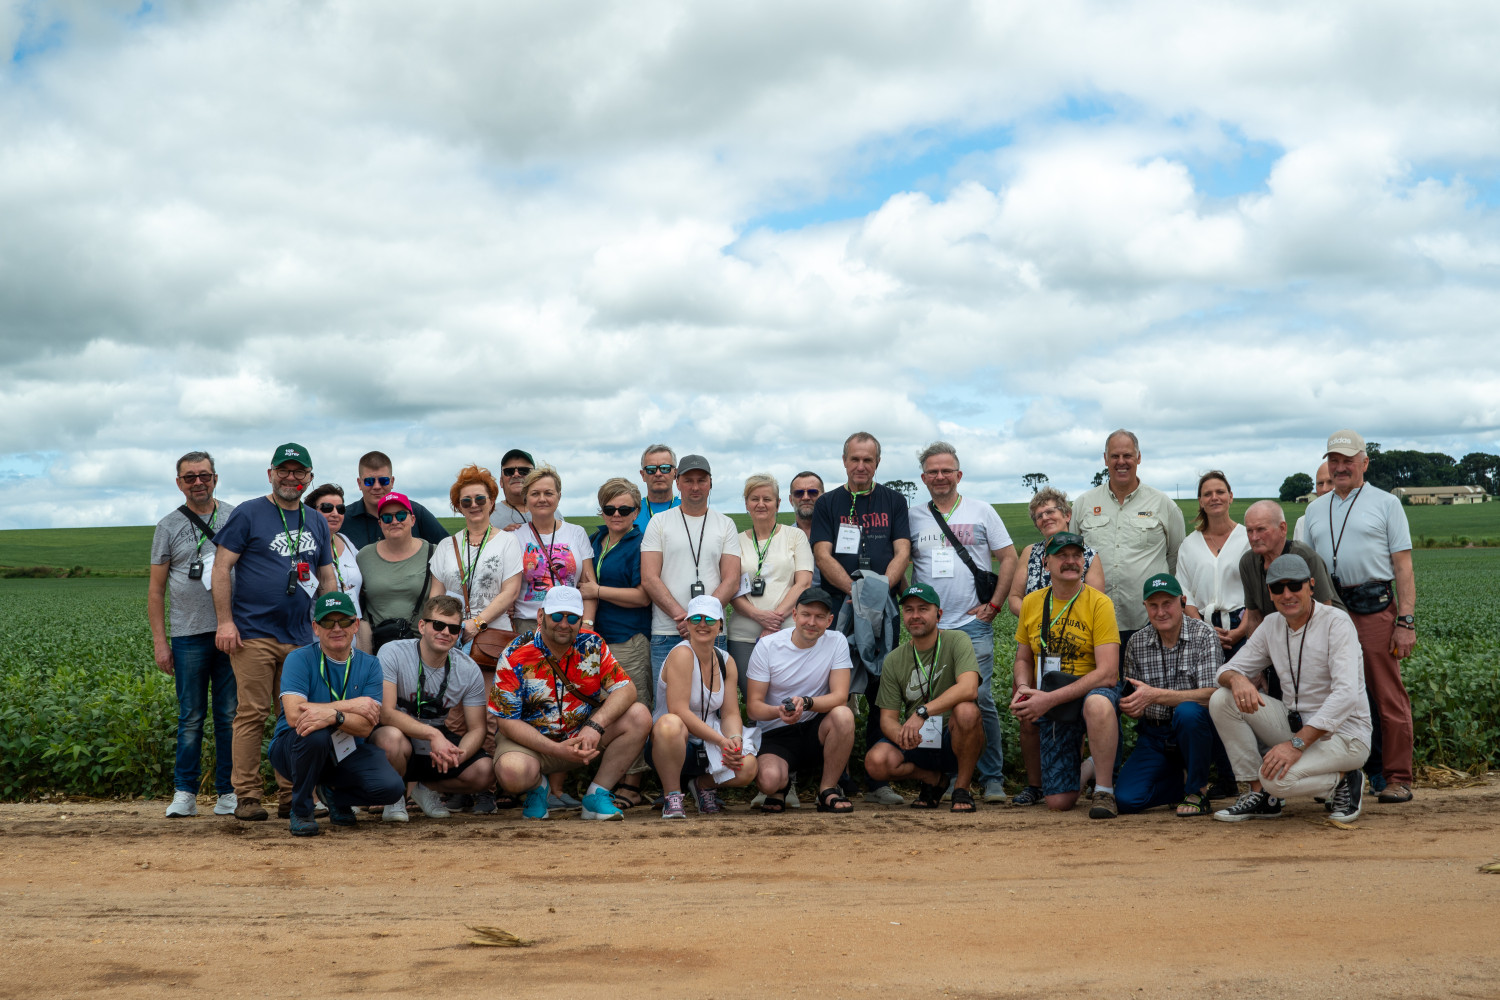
(1366,598)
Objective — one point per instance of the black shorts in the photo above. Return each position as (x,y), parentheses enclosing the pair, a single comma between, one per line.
(694,764)
(798,745)
(419,767)
(939,759)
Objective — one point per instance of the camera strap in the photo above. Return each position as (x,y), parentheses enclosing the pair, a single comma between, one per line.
(205,531)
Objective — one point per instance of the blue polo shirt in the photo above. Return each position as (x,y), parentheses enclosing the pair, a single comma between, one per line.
(303,671)
(643,516)
(621,568)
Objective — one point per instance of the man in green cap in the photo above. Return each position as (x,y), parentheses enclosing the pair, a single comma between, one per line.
(282,559)
(1171,670)
(928,704)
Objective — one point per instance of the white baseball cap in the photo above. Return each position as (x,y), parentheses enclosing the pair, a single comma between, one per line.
(706,605)
(563,599)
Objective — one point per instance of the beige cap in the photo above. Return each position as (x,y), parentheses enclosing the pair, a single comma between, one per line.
(1346,442)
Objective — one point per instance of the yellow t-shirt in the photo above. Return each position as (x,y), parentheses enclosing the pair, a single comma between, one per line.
(1088,623)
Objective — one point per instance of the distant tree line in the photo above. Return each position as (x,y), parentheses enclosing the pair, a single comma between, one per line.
(1391,469)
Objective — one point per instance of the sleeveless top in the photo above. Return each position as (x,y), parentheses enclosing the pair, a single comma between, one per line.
(696,692)
(1037,576)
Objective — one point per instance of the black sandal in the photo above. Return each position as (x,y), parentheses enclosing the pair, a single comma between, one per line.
(928,796)
(773,804)
(619,792)
(963,801)
(831,800)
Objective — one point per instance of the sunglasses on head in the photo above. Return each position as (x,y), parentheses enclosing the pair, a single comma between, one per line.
(558,616)
(337,621)
(384,481)
(457,628)
(477,500)
(1281,586)
(199,477)
(609,510)
(399,515)
(652,470)
(329,508)
(702,620)
(515,470)
(812,493)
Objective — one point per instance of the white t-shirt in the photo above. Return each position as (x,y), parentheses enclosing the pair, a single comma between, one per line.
(793,672)
(981,531)
(399,662)
(675,535)
(567,552)
(787,554)
(1212,583)
(494,561)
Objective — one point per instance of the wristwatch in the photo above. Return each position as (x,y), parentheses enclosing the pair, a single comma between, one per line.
(922,712)
(338,719)
(1407,621)
(479,623)
(1298,743)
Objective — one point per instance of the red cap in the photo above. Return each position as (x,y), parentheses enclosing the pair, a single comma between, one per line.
(397,498)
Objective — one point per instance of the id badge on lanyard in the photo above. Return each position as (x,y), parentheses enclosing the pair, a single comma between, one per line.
(847,543)
(932,733)
(942,563)
(343,745)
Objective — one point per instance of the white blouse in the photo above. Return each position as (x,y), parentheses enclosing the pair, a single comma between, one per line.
(1209,582)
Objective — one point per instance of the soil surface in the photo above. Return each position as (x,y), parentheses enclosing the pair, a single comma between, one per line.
(113,900)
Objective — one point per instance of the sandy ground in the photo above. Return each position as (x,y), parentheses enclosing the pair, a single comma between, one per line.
(113,900)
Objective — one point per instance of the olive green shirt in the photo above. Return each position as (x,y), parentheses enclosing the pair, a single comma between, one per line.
(903,687)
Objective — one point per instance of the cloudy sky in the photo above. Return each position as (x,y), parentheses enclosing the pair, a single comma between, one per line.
(745,229)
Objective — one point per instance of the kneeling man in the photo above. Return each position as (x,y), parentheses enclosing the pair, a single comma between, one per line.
(330,701)
(425,677)
(928,705)
(1319,739)
(563,700)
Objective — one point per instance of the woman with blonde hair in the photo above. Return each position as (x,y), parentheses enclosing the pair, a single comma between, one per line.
(554,553)
(777,563)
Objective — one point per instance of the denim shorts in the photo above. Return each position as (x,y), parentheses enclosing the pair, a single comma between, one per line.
(1061,747)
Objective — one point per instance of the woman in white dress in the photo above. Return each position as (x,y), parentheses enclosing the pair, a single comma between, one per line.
(1208,563)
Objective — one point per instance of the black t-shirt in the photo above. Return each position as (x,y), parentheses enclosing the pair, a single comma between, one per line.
(363,528)
(881,516)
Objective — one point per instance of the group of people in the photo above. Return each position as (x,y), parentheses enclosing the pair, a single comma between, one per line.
(474,670)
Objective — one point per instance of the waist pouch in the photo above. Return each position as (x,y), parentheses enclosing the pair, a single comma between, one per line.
(1068,711)
(1366,598)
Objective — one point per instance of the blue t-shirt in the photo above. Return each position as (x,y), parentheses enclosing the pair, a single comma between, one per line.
(262,607)
(303,671)
(643,516)
(621,568)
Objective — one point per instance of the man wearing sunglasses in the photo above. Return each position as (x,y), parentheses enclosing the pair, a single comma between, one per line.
(805,489)
(1319,730)
(658,467)
(182,559)
(362,517)
(563,702)
(510,511)
(330,703)
(423,679)
(281,556)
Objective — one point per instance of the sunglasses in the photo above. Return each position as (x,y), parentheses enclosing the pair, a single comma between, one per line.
(558,616)
(810,493)
(399,515)
(652,470)
(515,470)
(384,481)
(478,500)
(702,620)
(457,628)
(199,477)
(609,510)
(329,508)
(1281,586)
(332,622)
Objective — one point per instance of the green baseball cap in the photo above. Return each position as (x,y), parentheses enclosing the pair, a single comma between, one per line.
(923,591)
(1161,583)
(334,603)
(1062,540)
(292,452)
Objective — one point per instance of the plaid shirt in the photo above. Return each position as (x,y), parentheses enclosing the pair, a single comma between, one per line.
(1193,663)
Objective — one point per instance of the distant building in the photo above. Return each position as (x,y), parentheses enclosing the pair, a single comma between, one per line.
(1307,498)
(1440,495)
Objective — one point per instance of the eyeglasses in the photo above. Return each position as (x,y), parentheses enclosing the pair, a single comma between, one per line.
(811,494)
(702,620)
(399,515)
(515,470)
(384,481)
(329,508)
(558,616)
(457,628)
(332,622)
(608,510)
(652,470)
(1281,586)
(1045,510)
(477,500)
(199,477)
(302,474)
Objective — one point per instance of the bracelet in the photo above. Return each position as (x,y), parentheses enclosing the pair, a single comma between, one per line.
(595,727)
(993,605)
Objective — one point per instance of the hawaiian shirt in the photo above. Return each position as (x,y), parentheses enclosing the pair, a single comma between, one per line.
(527,685)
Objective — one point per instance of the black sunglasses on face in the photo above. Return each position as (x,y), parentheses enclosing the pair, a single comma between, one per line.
(609,510)
(400,515)
(1281,586)
(457,628)
(515,470)
(652,470)
(384,481)
(478,500)
(810,493)
(199,477)
(329,508)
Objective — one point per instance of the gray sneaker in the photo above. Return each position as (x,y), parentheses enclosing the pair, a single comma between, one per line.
(884,795)
(994,792)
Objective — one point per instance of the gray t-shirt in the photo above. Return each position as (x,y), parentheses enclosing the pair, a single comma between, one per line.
(1356,535)
(398,664)
(175,545)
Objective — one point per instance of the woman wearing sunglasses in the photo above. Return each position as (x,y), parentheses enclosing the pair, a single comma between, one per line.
(696,732)
(395,573)
(777,562)
(480,564)
(554,553)
(328,500)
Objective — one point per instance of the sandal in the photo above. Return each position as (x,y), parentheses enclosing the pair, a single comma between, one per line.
(963,801)
(832,800)
(619,792)
(928,796)
(1195,804)
(1394,793)
(773,804)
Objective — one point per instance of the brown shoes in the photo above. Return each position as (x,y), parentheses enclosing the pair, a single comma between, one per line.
(251,810)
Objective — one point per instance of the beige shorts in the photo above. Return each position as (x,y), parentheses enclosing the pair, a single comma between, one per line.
(550,764)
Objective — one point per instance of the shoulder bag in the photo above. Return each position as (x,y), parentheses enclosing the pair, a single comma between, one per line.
(985,582)
(393,629)
(489,645)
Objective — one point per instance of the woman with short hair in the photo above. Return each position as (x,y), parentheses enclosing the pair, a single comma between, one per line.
(554,553)
(395,573)
(777,561)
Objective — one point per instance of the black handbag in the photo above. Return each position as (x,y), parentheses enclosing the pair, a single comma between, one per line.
(985,582)
(1068,711)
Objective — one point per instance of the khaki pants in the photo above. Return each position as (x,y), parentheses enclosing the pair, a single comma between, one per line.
(1318,770)
(634,656)
(550,764)
(257,676)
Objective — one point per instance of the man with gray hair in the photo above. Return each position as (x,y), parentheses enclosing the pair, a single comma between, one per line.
(658,467)
(1265,529)
(1136,530)
(955,541)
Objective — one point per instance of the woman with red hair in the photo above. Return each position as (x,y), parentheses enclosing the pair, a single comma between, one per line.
(479,564)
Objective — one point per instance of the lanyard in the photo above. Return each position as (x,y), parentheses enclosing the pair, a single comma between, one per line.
(926,688)
(949,516)
(604,550)
(198,549)
(1176,653)
(421,677)
(468,573)
(697,573)
(323,670)
(336,571)
(706,689)
(293,550)
(760,556)
(1334,570)
(1301,645)
(546,548)
(1046,633)
(854,498)
(651,510)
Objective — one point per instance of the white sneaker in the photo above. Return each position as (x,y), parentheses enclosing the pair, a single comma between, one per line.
(226,805)
(395,812)
(430,802)
(184,804)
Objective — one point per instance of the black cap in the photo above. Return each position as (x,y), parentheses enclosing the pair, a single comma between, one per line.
(815,595)
(693,463)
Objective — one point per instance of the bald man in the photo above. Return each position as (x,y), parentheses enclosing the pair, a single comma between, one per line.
(1265,526)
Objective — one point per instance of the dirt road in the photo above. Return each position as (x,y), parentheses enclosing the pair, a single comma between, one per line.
(112,900)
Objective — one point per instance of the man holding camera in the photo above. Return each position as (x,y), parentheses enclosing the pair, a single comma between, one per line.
(282,558)
(1067,677)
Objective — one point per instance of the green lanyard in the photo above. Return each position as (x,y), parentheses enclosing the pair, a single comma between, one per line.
(467,575)
(760,556)
(854,498)
(336,571)
(1046,632)
(651,510)
(926,688)
(292,549)
(198,549)
(323,669)
(949,516)
(604,550)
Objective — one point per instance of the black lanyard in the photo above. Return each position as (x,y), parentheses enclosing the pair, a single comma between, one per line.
(706,689)
(1334,570)
(697,573)
(1171,672)
(1301,645)
(323,670)
(864,560)
(468,572)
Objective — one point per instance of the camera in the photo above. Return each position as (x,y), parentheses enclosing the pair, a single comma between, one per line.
(291,581)
(696,590)
(195,569)
(789,704)
(758,587)
(1294,720)
(304,571)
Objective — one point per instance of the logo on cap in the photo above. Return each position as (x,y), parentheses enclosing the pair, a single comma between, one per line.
(1158,582)
(291,451)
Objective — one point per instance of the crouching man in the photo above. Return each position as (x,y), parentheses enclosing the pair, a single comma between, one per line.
(330,702)
(425,677)
(1320,738)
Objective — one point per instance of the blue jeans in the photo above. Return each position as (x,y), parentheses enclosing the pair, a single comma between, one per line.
(364,778)
(197,664)
(661,645)
(1153,776)
(992,760)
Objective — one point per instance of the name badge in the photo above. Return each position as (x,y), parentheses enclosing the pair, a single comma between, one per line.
(744,585)
(942,563)
(310,586)
(1050,663)
(207,559)
(932,733)
(343,745)
(847,543)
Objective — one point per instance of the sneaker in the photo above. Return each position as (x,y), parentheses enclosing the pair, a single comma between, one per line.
(430,802)
(1348,797)
(672,808)
(561,801)
(484,803)
(536,803)
(600,805)
(337,815)
(948,792)
(395,812)
(758,800)
(457,802)
(994,792)
(319,809)
(1104,806)
(1029,796)
(792,802)
(226,804)
(251,811)
(707,800)
(884,795)
(304,826)
(1251,805)
(183,804)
